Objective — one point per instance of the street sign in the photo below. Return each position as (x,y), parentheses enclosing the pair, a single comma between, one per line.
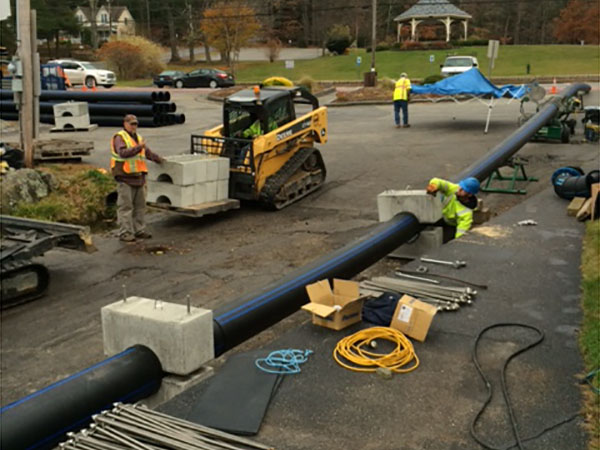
(431,58)
(358,60)
(492,52)
(289,64)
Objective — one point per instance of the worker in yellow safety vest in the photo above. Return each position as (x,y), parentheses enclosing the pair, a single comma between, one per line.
(458,202)
(129,153)
(401,97)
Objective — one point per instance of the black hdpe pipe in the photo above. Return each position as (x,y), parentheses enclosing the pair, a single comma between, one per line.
(101,109)
(42,419)
(117,121)
(91,97)
(253,313)
(498,155)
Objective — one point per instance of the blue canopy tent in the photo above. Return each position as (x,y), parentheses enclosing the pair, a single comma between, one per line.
(474,85)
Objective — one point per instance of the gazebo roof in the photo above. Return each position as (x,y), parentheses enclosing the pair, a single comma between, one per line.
(425,9)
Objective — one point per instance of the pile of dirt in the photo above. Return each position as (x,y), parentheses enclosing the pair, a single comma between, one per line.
(364,94)
(69,193)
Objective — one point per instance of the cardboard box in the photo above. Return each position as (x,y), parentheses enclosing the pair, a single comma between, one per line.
(413,317)
(337,308)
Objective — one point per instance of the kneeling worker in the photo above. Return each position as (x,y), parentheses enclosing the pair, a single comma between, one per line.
(458,202)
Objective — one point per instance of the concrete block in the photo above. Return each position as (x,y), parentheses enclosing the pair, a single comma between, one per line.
(427,208)
(211,190)
(223,170)
(222,189)
(70,109)
(182,342)
(173,385)
(200,193)
(429,239)
(66,122)
(212,170)
(173,194)
(185,170)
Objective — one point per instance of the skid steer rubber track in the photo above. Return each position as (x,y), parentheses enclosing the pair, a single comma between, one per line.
(302,174)
(22,281)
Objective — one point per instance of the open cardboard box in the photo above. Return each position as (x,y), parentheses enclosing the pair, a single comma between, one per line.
(413,317)
(337,308)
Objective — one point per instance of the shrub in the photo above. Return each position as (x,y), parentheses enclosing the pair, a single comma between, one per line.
(132,57)
(386,83)
(382,46)
(338,39)
(470,42)
(273,49)
(412,45)
(309,83)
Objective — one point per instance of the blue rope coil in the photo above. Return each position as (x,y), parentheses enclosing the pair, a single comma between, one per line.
(285,362)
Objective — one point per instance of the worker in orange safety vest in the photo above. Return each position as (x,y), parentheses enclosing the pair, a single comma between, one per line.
(129,153)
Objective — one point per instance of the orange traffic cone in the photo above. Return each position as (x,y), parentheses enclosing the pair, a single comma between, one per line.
(553,87)
(83,88)
(94,88)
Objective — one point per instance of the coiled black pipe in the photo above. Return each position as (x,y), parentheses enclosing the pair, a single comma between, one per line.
(252,313)
(42,419)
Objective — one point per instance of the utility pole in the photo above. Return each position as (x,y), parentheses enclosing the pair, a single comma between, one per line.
(109,20)
(37,82)
(26,117)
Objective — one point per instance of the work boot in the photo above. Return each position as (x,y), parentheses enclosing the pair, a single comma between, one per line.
(143,235)
(407,125)
(398,125)
(127,237)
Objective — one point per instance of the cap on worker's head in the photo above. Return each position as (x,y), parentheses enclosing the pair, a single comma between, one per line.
(470,185)
(403,75)
(130,118)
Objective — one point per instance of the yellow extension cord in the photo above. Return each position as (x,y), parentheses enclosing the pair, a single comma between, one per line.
(357,350)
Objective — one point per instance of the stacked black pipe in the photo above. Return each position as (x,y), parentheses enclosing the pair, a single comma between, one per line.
(153,109)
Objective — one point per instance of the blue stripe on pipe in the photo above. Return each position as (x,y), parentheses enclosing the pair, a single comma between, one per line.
(61,382)
(87,418)
(292,284)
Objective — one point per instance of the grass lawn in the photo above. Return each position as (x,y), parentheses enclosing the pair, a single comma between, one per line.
(544,60)
(589,338)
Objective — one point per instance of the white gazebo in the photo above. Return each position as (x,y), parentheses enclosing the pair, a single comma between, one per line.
(441,10)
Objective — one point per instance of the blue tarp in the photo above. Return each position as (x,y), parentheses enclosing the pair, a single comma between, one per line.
(470,82)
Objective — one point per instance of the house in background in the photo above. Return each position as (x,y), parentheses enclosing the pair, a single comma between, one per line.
(116,21)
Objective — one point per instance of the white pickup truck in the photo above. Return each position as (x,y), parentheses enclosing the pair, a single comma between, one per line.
(458,64)
(82,72)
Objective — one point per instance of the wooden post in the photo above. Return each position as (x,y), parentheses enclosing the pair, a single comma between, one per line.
(37,82)
(26,107)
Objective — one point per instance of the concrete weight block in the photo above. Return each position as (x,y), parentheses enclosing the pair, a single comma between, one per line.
(182,341)
(175,195)
(222,190)
(427,208)
(183,170)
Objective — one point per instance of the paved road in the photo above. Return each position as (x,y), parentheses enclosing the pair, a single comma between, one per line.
(218,258)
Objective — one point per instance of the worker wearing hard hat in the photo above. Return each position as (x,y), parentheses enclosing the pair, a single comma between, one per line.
(458,202)
(401,96)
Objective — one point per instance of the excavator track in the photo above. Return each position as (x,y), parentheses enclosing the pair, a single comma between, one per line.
(302,174)
(22,281)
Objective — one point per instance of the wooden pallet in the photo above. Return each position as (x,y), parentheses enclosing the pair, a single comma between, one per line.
(199,210)
(58,149)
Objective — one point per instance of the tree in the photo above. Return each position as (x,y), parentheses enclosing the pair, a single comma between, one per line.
(229,25)
(53,18)
(339,39)
(578,22)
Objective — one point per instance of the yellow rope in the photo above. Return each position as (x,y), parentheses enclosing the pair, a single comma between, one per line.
(356,349)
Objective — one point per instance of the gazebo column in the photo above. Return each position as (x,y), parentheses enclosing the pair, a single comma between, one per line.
(465,27)
(447,22)
(413,28)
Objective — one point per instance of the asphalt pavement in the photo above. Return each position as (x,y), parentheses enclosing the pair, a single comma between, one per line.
(533,278)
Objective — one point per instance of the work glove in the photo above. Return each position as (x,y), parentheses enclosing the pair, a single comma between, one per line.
(432,189)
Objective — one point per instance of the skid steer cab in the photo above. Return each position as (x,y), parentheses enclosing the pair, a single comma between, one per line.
(270,147)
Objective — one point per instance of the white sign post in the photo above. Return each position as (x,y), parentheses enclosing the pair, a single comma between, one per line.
(289,64)
(492,54)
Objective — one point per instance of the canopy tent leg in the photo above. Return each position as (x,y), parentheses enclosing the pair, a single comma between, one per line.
(489,114)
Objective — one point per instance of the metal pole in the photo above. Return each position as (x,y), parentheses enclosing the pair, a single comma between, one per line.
(26,107)
(37,84)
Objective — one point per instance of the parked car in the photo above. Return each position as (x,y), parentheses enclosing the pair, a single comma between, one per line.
(458,64)
(167,77)
(83,72)
(212,78)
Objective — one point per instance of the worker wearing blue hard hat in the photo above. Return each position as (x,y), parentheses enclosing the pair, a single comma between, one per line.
(458,202)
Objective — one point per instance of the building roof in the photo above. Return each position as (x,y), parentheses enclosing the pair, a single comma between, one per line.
(115,11)
(424,9)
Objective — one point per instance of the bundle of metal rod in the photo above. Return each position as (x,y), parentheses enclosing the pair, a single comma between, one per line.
(137,427)
(446,298)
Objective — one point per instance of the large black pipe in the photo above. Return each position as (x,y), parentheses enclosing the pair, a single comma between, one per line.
(252,313)
(103,121)
(42,419)
(92,97)
(101,109)
(497,156)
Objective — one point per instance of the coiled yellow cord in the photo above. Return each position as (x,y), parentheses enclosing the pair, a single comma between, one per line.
(356,349)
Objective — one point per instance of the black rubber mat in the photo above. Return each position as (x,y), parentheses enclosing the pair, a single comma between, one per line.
(237,397)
